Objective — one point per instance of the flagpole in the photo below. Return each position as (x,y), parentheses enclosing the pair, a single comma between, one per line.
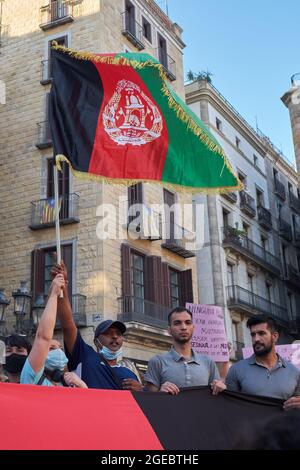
(56,211)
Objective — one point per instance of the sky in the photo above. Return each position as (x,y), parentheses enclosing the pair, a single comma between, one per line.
(252,48)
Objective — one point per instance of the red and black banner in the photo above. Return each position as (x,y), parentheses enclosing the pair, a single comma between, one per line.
(57,418)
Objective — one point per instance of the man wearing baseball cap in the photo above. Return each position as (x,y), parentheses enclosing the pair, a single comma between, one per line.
(101,368)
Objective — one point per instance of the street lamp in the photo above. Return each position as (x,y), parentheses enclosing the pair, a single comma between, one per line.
(22,301)
(38,308)
(3,304)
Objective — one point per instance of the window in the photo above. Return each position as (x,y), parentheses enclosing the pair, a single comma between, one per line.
(169,201)
(61,41)
(259,198)
(250,283)
(290,188)
(174,284)
(138,276)
(63,187)
(238,143)
(146,29)
(130,17)
(162,51)
(246,229)
(243,179)
(269,292)
(264,242)
(294,221)
(225,218)
(275,174)
(219,124)
(41,263)
(279,209)
(255,160)
(230,275)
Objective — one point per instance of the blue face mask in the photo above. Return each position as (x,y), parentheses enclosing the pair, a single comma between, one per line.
(56,359)
(109,354)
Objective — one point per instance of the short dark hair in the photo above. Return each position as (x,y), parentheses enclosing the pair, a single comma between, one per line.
(179,310)
(18,341)
(262,318)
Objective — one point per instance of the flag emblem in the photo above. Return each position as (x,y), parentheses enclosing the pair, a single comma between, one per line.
(130,117)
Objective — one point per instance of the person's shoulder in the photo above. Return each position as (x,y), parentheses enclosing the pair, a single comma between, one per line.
(292,367)
(158,358)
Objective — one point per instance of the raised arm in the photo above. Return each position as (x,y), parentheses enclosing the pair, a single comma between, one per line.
(65,310)
(44,334)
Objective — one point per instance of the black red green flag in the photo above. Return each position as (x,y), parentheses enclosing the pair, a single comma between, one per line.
(114,117)
(89,419)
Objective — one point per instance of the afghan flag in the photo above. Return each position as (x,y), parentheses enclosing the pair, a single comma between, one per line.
(115,118)
(88,419)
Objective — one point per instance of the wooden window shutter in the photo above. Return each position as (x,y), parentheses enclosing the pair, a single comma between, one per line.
(153,277)
(37,273)
(166,289)
(126,270)
(135,194)
(185,287)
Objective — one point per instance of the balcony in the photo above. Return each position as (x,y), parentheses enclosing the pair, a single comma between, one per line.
(168,64)
(46,72)
(143,223)
(279,189)
(55,14)
(44,138)
(244,301)
(43,211)
(292,276)
(247,204)
(132,30)
(237,241)
(285,229)
(236,353)
(231,197)
(264,217)
(294,202)
(143,311)
(179,240)
(78,302)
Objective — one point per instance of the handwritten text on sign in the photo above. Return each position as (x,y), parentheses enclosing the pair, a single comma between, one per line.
(209,334)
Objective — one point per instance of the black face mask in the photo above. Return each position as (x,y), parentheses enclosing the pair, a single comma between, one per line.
(14,363)
(56,375)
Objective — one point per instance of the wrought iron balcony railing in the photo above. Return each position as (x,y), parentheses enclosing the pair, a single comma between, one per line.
(231,197)
(179,240)
(44,138)
(279,189)
(168,63)
(285,229)
(246,301)
(238,241)
(143,311)
(132,30)
(43,211)
(247,204)
(264,217)
(56,13)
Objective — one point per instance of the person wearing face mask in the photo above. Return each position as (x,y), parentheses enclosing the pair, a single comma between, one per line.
(17,348)
(100,369)
(46,363)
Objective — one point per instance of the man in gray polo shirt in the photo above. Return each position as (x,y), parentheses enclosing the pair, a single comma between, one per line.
(265,372)
(181,366)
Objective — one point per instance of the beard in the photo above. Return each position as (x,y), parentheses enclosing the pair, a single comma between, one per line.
(263,351)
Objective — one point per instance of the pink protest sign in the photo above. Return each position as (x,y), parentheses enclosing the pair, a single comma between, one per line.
(289,352)
(209,334)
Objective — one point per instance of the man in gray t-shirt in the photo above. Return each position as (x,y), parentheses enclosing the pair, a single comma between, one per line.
(265,373)
(181,366)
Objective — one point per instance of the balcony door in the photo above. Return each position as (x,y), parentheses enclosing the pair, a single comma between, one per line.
(130,17)
(138,282)
(63,186)
(162,51)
